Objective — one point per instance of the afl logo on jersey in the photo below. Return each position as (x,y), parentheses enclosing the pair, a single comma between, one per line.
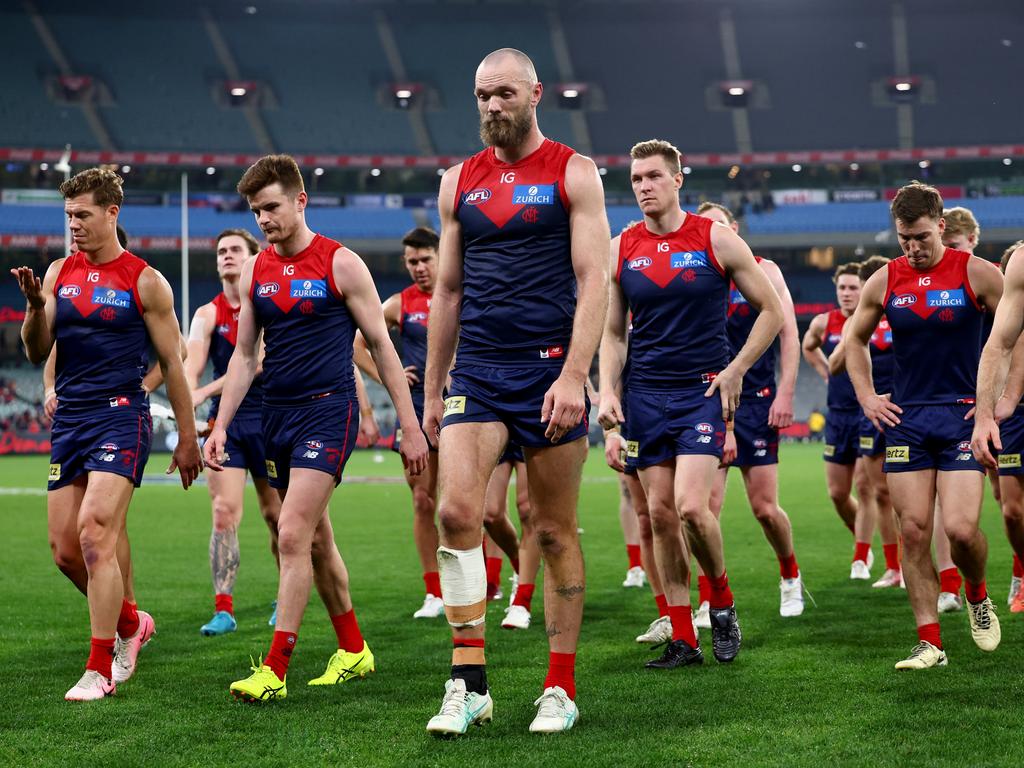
(639,263)
(477,196)
(704,428)
(903,300)
(416,317)
(267,289)
(314,444)
(70,291)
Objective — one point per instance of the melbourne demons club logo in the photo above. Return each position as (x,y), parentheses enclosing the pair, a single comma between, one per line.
(743,309)
(689,276)
(530,215)
(947,316)
(306,307)
(108,314)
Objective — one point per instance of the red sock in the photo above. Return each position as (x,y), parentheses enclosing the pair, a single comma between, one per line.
(347,629)
(682,624)
(128,621)
(929,633)
(1018,567)
(562,672)
(721,595)
(222,602)
(633,553)
(524,594)
(703,589)
(432,581)
(950,581)
(788,567)
(892,556)
(662,602)
(101,656)
(860,550)
(515,564)
(975,593)
(280,655)
(493,573)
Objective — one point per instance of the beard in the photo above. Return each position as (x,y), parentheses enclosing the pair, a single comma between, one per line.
(506,131)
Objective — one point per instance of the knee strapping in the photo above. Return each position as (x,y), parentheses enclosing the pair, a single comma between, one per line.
(463,585)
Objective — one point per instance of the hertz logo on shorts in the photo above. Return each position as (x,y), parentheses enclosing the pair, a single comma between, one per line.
(632,449)
(830,450)
(454,405)
(867,442)
(271,469)
(897,454)
(55,471)
(1009,461)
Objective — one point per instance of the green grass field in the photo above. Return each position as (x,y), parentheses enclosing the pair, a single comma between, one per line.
(815,691)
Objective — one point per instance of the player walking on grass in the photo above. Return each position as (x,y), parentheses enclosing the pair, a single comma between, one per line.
(307,294)
(998,437)
(522,283)
(101,307)
(765,408)
(212,336)
(672,272)
(409,312)
(934,299)
(843,466)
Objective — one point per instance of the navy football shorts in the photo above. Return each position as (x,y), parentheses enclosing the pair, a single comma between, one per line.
(872,441)
(930,437)
(842,436)
(513,454)
(1011,434)
(317,435)
(662,424)
(513,396)
(114,438)
(757,444)
(243,448)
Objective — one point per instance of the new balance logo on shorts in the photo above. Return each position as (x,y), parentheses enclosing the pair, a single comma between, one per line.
(897,454)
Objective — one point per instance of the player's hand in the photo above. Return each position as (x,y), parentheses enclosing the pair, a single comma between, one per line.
(881,411)
(728,384)
(213,449)
(203,428)
(50,405)
(564,406)
(729,448)
(31,286)
(609,413)
(198,397)
(369,432)
(413,450)
(433,412)
(615,450)
(188,461)
(1004,409)
(411,375)
(780,415)
(984,439)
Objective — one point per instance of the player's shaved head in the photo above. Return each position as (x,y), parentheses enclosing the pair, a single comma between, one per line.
(505,57)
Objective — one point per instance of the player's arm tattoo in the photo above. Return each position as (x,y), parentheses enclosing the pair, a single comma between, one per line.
(224,558)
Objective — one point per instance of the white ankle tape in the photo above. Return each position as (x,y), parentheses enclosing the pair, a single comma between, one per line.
(463,585)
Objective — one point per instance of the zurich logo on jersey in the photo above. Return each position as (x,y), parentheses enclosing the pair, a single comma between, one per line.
(639,263)
(689,259)
(954,298)
(533,194)
(109,297)
(735,297)
(477,196)
(267,289)
(70,291)
(903,300)
(309,289)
